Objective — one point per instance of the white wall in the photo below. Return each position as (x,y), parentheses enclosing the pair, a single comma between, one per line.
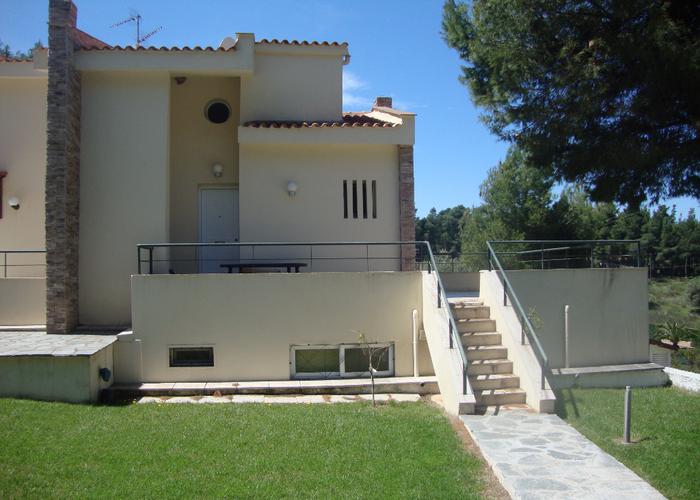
(285,87)
(196,144)
(609,313)
(268,213)
(23,156)
(253,319)
(123,185)
(22,301)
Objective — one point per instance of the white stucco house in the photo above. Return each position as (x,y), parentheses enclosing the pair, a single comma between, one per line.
(211,218)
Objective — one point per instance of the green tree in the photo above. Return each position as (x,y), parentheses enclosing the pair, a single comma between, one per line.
(7,53)
(602,93)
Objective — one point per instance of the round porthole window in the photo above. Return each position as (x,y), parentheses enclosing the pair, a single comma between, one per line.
(217,111)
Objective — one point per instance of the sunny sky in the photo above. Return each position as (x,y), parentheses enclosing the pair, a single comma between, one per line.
(396,50)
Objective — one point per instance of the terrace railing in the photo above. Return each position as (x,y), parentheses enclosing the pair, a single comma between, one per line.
(22,263)
(364,256)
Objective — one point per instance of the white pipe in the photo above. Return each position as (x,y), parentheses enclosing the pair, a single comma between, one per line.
(415,343)
(566,336)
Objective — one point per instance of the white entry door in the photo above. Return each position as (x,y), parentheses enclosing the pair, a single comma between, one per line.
(218,223)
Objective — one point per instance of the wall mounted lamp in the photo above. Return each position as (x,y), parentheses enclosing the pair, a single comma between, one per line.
(292,189)
(217,169)
(13,201)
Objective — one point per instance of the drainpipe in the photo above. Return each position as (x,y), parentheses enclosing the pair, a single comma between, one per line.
(566,336)
(415,343)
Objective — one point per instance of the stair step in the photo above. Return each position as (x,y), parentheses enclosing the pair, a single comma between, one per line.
(481,338)
(499,397)
(486,352)
(468,301)
(468,311)
(504,381)
(476,325)
(489,366)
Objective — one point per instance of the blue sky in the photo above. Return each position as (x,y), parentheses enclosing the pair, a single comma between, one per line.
(396,50)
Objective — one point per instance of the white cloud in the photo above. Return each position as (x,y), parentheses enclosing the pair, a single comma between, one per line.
(354,97)
(352,82)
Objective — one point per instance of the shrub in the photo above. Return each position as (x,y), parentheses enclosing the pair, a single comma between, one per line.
(694,293)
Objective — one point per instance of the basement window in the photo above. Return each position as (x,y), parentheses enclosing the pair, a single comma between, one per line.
(217,111)
(341,360)
(191,356)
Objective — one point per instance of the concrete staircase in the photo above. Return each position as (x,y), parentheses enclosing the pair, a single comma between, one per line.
(490,372)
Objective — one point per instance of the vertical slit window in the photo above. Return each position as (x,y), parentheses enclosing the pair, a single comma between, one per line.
(354,199)
(374,199)
(345,199)
(364,199)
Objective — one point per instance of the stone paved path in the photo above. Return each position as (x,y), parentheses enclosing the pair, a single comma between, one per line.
(302,399)
(538,456)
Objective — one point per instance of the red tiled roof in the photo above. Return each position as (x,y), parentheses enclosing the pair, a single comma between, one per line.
(86,41)
(275,41)
(11,59)
(349,120)
(162,48)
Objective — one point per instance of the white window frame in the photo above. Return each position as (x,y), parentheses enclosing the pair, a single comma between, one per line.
(341,353)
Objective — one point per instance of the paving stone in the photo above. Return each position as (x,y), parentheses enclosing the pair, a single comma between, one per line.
(540,456)
(23,343)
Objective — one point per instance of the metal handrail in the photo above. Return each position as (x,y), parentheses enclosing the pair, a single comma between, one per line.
(453,331)
(571,245)
(5,253)
(525,325)
(432,268)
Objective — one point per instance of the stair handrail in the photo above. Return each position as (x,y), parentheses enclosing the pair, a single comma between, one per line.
(526,327)
(452,324)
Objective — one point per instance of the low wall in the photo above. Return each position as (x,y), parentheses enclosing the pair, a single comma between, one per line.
(22,301)
(251,320)
(460,282)
(684,379)
(74,379)
(608,315)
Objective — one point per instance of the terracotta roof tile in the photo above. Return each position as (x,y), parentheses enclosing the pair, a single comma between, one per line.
(87,41)
(130,48)
(11,59)
(350,120)
(275,41)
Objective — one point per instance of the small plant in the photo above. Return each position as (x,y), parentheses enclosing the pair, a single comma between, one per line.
(534,318)
(374,355)
(676,331)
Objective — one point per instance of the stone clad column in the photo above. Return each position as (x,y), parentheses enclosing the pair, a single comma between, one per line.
(62,171)
(407,208)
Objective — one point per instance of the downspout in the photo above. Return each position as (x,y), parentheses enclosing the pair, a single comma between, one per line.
(415,343)
(566,336)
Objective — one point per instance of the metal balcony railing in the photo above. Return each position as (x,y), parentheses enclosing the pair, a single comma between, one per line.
(23,263)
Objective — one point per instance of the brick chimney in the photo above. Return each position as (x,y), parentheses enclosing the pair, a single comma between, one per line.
(62,171)
(382,102)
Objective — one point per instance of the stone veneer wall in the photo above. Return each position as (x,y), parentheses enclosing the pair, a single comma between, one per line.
(62,171)
(407,212)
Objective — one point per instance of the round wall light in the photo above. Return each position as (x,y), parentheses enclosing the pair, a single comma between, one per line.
(13,201)
(217,169)
(292,189)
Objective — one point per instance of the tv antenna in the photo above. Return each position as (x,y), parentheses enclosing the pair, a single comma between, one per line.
(136,18)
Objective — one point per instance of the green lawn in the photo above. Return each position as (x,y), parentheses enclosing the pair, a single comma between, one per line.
(665,431)
(233,450)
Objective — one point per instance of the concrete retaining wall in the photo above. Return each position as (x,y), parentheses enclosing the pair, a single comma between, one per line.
(608,316)
(460,282)
(685,380)
(74,379)
(252,320)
